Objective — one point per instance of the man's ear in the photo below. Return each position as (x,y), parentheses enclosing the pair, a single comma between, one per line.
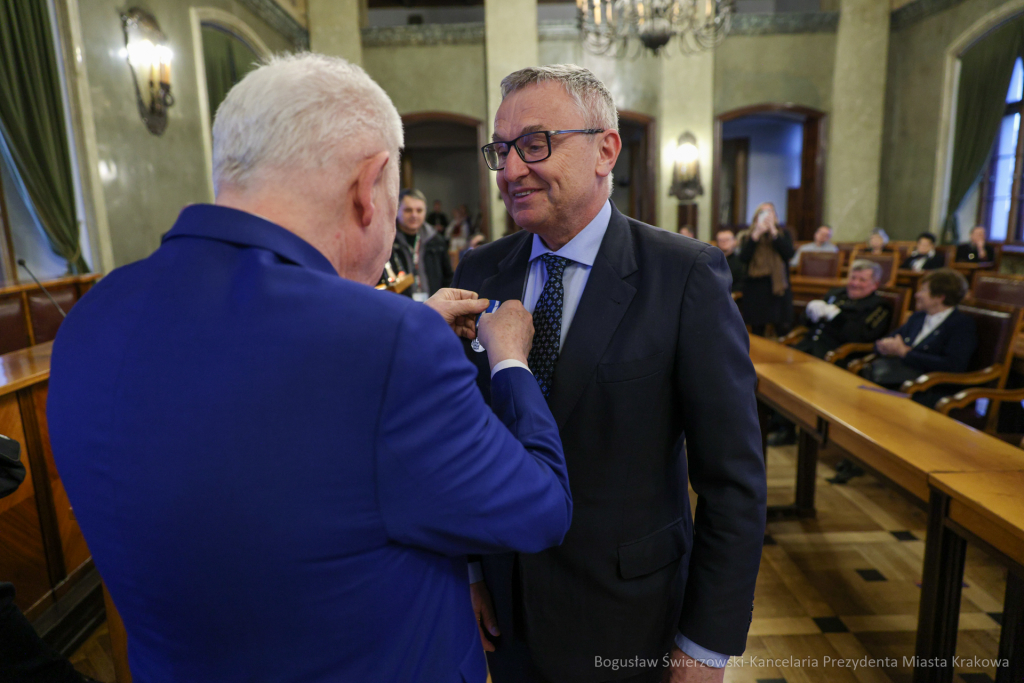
(608,152)
(369,174)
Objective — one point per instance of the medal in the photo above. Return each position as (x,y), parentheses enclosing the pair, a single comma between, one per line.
(491,308)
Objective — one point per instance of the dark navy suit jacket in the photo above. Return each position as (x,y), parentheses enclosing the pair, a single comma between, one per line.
(656,353)
(948,348)
(279,472)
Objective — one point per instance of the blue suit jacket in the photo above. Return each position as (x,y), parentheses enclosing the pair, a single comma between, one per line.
(948,348)
(279,472)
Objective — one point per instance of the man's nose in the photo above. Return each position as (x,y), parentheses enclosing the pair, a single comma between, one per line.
(515,167)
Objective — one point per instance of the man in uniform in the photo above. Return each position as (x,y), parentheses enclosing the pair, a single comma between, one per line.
(851,314)
(845,315)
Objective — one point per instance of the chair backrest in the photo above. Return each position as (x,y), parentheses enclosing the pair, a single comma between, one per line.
(45,318)
(997,326)
(898,299)
(13,323)
(888,260)
(999,289)
(819,264)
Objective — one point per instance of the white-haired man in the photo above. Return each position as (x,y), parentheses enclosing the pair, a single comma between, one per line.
(260,453)
(638,347)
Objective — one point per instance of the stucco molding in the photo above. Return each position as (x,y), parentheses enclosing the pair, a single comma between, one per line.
(280,20)
(423,34)
(788,22)
(915,11)
(950,88)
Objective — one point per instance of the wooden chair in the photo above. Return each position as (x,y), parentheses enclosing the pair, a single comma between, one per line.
(886,259)
(998,326)
(819,264)
(999,288)
(898,300)
(954,406)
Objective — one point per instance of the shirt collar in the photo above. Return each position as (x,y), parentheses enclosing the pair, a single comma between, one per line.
(225,224)
(940,317)
(584,246)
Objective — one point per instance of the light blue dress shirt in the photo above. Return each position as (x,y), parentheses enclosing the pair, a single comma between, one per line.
(581,252)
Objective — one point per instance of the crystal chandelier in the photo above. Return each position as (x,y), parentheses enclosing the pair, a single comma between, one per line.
(618,27)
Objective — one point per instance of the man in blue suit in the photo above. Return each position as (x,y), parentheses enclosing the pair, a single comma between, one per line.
(280,471)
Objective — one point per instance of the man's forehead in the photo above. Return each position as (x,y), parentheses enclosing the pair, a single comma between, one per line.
(541,106)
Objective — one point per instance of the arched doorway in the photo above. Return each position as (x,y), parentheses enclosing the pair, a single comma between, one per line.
(442,158)
(770,152)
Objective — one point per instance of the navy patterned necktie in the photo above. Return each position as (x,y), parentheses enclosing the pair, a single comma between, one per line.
(547,323)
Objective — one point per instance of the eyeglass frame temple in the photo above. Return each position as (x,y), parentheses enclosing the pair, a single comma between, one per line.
(547,135)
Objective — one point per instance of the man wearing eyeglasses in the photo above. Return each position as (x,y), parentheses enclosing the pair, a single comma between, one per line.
(639,350)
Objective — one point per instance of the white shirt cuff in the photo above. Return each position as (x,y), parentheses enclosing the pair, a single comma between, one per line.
(476,573)
(508,364)
(701,654)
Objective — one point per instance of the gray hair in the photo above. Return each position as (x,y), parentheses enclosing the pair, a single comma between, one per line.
(301,112)
(865,264)
(592,97)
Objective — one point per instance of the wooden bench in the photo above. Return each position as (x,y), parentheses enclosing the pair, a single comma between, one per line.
(28,317)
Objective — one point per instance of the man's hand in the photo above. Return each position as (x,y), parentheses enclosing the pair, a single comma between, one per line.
(686,669)
(483,608)
(507,334)
(459,309)
(892,346)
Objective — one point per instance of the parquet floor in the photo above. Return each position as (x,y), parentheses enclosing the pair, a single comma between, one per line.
(832,592)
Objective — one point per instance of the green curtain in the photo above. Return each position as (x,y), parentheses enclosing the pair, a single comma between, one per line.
(226,59)
(32,123)
(985,72)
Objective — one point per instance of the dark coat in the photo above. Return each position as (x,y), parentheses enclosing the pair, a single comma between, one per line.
(656,351)
(947,349)
(759,305)
(738,269)
(860,321)
(936,260)
(433,250)
(968,253)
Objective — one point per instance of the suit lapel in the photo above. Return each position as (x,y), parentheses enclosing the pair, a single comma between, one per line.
(509,281)
(604,302)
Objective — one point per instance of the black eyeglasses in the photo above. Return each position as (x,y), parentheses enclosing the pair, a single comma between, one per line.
(532,147)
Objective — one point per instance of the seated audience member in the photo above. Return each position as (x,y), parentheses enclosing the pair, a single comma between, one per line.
(725,239)
(924,256)
(765,248)
(878,242)
(687,232)
(822,243)
(977,250)
(437,218)
(458,231)
(419,249)
(936,338)
(851,314)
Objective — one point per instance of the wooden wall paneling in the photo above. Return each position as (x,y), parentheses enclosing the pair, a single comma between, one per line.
(13,323)
(23,558)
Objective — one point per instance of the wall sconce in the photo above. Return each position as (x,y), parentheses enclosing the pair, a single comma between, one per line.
(149,58)
(686,169)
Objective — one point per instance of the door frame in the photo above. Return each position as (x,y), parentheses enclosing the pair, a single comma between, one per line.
(648,184)
(812,162)
(481,139)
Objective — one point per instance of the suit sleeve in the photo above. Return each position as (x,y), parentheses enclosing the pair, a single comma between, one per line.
(716,381)
(454,477)
(955,357)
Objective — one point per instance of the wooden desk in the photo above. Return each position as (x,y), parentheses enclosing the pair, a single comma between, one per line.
(986,508)
(44,554)
(767,351)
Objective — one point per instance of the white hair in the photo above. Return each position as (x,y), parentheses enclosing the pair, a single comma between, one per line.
(301,112)
(591,96)
(865,264)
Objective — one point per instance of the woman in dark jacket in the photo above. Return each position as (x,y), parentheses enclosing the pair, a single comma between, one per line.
(766,249)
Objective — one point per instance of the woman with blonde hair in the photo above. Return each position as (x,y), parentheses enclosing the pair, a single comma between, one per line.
(766,249)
